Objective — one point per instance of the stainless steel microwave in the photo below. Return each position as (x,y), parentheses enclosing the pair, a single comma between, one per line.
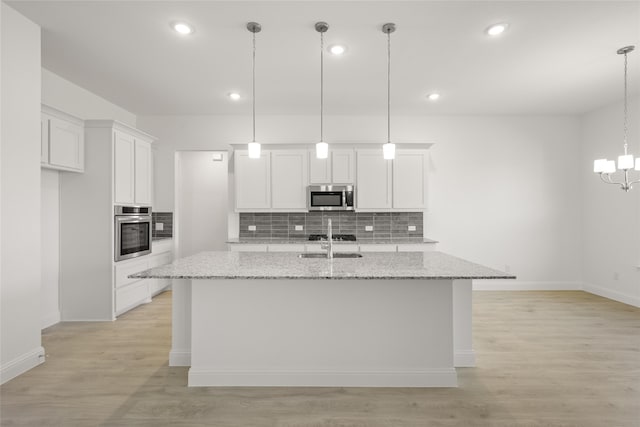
(330,197)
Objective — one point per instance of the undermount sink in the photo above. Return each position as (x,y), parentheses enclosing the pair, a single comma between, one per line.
(335,255)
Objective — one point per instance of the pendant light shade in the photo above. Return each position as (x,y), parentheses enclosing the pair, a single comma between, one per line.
(322,148)
(254,147)
(389,149)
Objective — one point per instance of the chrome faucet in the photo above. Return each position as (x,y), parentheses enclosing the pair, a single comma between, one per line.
(329,245)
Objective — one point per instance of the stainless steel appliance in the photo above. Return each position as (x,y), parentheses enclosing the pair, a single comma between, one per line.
(330,197)
(132,231)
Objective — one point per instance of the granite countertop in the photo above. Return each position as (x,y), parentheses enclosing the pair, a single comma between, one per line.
(267,241)
(160,239)
(287,265)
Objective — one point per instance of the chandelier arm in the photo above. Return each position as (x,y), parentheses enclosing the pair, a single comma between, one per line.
(609,180)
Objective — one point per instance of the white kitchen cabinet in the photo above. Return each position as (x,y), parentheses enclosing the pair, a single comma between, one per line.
(161,254)
(123,168)
(62,141)
(373,181)
(289,180)
(252,181)
(132,169)
(410,180)
(338,168)
(343,166)
(142,173)
(130,292)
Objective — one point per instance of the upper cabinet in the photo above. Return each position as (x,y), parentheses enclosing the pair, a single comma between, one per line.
(131,169)
(252,181)
(410,179)
(338,168)
(62,141)
(278,180)
(373,181)
(289,180)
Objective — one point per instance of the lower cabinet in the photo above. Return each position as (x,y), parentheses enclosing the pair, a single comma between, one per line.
(130,293)
(339,247)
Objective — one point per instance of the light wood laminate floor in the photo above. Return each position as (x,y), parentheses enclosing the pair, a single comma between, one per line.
(544,359)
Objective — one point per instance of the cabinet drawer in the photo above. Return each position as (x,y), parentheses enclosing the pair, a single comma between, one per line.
(416,247)
(132,295)
(131,267)
(160,246)
(376,247)
(286,248)
(161,259)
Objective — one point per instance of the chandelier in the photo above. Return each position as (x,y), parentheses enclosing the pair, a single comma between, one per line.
(626,162)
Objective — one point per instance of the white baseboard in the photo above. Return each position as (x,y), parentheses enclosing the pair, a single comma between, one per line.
(180,358)
(614,295)
(520,285)
(428,378)
(22,364)
(464,359)
(50,319)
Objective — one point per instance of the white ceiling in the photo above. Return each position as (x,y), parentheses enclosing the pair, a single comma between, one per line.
(556,58)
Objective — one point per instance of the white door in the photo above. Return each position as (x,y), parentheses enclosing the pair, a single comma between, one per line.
(410,180)
(253,181)
(342,166)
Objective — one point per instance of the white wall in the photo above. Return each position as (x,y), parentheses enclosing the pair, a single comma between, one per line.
(50,223)
(77,101)
(20,219)
(611,217)
(502,189)
(201,205)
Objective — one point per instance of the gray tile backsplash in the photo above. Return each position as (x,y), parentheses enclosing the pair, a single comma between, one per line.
(166,218)
(384,225)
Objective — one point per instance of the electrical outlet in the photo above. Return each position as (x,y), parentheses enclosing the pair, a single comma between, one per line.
(251,228)
(159,226)
(411,228)
(368,228)
(299,228)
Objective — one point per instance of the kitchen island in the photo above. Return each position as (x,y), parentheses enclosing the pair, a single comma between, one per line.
(274,319)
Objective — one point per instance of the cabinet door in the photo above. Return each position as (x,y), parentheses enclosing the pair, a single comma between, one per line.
(124,168)
(289,180)
(44,138)
(319,169)
(342,166)
(66,144)
(373,183)
(253,181)
(142,190)
(410,180)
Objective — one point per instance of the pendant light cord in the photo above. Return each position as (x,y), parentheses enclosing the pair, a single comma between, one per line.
(625,104)
(254,87)
(321,86)
(388,87)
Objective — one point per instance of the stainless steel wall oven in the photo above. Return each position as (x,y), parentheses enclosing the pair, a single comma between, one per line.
(132,231)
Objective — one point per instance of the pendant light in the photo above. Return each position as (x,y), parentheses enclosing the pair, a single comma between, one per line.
(322,148)
(254,147)
(389,149)
(625,162)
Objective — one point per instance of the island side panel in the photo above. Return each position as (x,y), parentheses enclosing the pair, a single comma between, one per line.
(464,355)
(180,354)
(367,333)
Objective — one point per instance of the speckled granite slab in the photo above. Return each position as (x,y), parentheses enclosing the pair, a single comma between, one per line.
(274,241)
(287,265)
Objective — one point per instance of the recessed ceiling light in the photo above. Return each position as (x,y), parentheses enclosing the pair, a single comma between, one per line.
(182,27)
(497,29)
(433,96)
(234,96)
(337,49)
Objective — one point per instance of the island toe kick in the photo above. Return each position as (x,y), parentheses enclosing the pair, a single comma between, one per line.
(306,332)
